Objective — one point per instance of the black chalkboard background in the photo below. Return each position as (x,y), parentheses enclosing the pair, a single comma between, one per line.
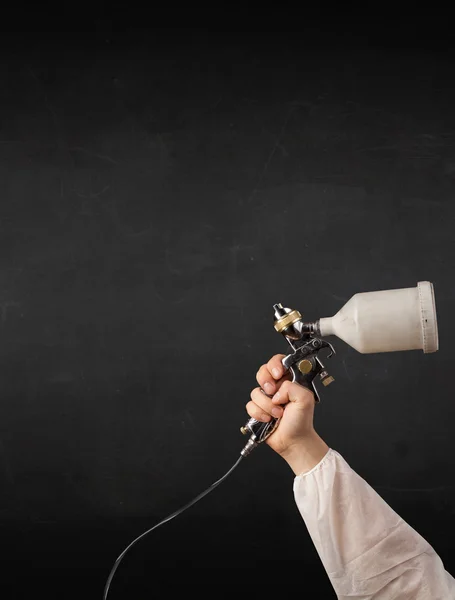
(160,190)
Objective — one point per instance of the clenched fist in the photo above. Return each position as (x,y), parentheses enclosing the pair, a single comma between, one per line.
(295,438)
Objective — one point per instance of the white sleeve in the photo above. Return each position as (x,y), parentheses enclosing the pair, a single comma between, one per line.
(367,550)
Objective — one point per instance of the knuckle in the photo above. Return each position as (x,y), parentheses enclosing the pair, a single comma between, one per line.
(260,372)
(254,392)
(250,408)
(308,397)
(273,361)
(285,386)
(256,412)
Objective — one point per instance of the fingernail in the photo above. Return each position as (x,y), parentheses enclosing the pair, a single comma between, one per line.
(276,372)
(276,397)
(276,412)
(269,388)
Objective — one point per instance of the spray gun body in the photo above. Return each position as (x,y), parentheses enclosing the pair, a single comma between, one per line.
(382,321)
(302,363)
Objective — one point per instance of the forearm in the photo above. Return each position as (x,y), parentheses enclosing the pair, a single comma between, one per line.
(367,550)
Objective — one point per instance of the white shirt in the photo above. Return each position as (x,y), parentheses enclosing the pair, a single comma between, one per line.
(367,550)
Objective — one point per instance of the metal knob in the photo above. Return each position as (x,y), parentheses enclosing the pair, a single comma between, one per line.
(305,366)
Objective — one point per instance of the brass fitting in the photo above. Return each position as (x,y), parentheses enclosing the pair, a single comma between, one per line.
(287,320)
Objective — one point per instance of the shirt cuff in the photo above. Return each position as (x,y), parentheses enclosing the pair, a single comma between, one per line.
(320,464)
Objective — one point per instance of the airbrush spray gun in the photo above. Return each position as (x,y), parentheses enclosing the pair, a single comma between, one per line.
(384,321)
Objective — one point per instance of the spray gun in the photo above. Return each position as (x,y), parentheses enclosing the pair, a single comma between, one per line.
(303,363)
(384,321)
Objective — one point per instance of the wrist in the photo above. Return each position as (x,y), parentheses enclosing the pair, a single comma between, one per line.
(305,453)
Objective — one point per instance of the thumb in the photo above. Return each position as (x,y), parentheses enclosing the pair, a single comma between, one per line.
(294,392)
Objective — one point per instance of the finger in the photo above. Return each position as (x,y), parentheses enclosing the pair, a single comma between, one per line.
(266,380)
(275,366)
(293,392)
(257,413)
(265,403)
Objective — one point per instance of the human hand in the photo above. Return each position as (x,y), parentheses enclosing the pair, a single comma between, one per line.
(294,438)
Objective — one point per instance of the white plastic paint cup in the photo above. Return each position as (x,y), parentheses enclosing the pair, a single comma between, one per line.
(387,321)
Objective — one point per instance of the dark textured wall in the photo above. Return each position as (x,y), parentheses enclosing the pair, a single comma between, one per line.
(159,191)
